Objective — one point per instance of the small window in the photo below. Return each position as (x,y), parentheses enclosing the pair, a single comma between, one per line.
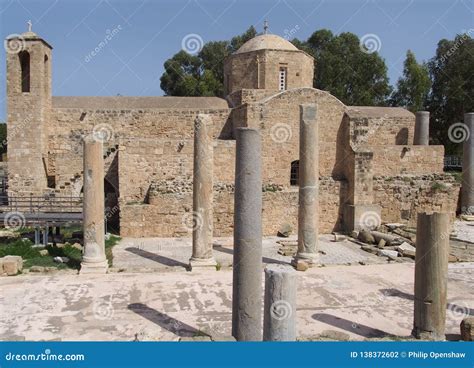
(25,71)
(282,79)
(294,174)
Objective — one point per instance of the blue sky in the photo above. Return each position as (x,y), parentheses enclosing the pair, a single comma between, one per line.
(147,32)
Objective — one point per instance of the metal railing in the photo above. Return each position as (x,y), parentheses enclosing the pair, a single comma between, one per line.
(452,162)
(41,204)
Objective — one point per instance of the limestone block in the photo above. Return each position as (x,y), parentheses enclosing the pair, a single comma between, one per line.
(11,265)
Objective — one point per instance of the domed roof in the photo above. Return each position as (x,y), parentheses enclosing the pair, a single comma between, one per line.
(266,41)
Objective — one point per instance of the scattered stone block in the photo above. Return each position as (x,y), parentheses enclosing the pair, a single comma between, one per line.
(339,237)
(406,250)
(391,254)
(467,329)
(44,252)
(355,234)
(11,265)
(301,265)
(366,237)
(381,243)
(452,258)
(285,230)
(77,246)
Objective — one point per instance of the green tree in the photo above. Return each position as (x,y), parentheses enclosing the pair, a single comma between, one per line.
(413,88)
(347,70)
(203,74)
(452,91)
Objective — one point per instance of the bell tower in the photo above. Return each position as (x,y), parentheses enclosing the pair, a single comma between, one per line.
(28,110)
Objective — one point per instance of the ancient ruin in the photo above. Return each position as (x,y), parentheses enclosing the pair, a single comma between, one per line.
(374,165)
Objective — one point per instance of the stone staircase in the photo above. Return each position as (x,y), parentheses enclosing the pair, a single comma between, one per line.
(73,184)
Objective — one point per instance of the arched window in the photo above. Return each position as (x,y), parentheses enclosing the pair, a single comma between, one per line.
(25,71)
(294,174)
(46,74)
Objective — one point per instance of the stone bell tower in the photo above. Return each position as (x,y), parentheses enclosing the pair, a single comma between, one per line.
(28,110)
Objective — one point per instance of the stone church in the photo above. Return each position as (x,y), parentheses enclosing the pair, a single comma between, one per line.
(371,166)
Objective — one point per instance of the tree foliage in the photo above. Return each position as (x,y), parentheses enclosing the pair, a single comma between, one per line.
(413,87)
(346,70)
(203,74)
(452,92)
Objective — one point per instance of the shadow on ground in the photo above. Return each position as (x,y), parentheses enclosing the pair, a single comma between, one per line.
(165,321)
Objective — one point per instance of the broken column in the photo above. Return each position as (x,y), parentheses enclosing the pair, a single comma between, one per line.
(247,263)
(431,271)
(93,259)
(467,190)
(422,128)
(279,321)
(202,193)
(308,202)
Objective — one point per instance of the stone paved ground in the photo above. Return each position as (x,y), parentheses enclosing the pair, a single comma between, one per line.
(363,301)
(140,254)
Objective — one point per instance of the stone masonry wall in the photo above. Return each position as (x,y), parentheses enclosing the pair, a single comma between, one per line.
(402,197)
(170,210)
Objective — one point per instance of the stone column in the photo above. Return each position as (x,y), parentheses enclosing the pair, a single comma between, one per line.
(431,273)
(467,190)
(247,265)
(279,319)
(308,203)
(422,128)
(93,259)
(202,193)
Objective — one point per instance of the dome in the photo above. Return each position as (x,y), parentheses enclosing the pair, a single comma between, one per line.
(266,41)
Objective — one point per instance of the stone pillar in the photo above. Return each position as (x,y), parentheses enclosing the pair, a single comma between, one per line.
(279,319)
(202,193)
(431,273)
(93,259)
(467,190)
(247,265)
(308,203)
(422,128)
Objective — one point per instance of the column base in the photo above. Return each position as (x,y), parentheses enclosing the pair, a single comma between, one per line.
(302,261)
(94,268)
(202,263)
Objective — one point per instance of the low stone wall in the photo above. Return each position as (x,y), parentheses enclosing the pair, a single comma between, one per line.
(168,212)
(403,197)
